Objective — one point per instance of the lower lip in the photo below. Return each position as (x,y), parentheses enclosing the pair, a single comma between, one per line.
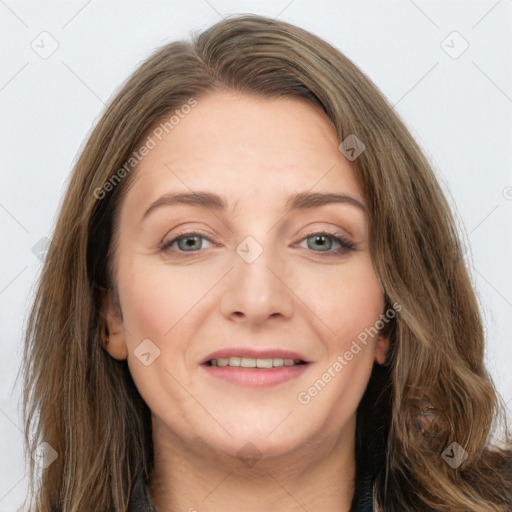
(254,377)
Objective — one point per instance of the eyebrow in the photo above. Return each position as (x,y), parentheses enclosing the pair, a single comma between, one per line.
(209,200)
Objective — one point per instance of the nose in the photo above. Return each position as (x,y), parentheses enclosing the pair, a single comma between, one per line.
(258,290)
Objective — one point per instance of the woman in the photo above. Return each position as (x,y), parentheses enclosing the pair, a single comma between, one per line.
(255,298)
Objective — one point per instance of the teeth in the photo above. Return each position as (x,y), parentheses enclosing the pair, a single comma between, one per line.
(264,363)
(251,362)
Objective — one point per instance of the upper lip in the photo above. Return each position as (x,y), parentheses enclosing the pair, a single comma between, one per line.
(257,353)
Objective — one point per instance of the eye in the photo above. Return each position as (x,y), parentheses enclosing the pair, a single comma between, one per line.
(318,241)
(323,241)
(186,242)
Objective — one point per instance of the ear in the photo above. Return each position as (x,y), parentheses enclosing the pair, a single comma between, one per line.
(381,350)
(112,332)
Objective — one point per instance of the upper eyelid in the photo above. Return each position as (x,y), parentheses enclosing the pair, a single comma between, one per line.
(331,232)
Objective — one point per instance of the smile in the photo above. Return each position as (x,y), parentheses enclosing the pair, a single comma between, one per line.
(254,372)
(252,362)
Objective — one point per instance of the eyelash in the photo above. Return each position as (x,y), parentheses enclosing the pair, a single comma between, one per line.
(346,245)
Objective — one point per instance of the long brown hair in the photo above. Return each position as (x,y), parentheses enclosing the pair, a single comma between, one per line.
(435,390)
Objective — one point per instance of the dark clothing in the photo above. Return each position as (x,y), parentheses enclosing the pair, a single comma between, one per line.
(362,501)
(139,498)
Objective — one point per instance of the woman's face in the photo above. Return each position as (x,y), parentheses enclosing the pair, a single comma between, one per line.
(251,277)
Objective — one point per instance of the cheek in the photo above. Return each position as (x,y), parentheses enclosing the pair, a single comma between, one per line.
(351,309)
(351,301)
(154,298)
(147,309)
(155,302)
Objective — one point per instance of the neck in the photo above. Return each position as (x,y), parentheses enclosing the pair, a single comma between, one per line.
(316,476)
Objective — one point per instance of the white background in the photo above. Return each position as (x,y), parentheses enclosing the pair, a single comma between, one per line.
(459,109)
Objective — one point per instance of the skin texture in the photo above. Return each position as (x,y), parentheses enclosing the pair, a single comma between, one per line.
(255,152)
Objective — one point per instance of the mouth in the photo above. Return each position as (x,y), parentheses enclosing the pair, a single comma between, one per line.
(257,368)
(254,363)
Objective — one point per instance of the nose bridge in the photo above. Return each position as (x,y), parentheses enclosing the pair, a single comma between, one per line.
(257,288)
(257,258)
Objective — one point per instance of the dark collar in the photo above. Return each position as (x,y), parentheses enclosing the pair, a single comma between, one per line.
(139,498)
(363,496)
(362,501)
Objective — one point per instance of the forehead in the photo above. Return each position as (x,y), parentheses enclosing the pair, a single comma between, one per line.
(247,146)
